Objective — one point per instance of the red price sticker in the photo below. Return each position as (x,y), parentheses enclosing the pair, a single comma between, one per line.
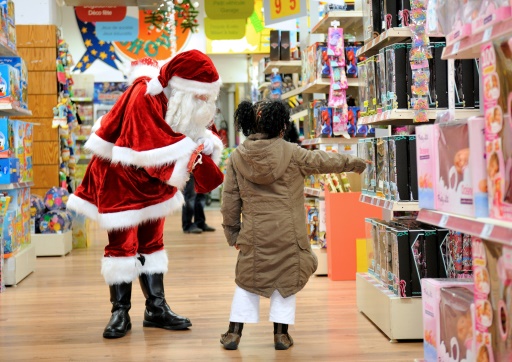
(284,8)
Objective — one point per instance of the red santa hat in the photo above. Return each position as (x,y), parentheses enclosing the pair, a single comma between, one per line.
(190,71)
(145,67)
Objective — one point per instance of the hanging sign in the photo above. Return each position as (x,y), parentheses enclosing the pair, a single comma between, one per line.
(277,11)
(124,30)
(224,30)
(101,13)
(229,9)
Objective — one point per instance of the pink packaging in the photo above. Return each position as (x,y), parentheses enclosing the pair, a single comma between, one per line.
(454,188)
(478,165)
(492,12)
(426,161)
(496,62)
(448,319)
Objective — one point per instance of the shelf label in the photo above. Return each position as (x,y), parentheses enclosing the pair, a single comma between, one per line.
(487,34)
(456,47)
(443,221)
(486,231)
(375,201)
(386,205)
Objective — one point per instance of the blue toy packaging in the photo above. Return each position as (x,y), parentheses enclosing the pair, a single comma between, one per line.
(19,64)
(10,246)
(9,84)
(5,137)
(351,60)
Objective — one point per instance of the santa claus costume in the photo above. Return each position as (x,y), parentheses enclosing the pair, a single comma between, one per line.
(144,151)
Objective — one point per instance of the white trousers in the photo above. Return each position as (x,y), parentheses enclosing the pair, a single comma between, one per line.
(246,307)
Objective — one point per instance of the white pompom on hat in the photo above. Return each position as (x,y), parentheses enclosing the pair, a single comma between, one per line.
(145,67)
(190,71)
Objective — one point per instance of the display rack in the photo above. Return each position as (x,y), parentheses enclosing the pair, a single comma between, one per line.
(310,191)
(318,86)
(404,116)
(390,204)
(19,185)
(389,37)
(285,67)
(469,47)
(263,86)
(328,141)
(350,21)
(299,115)
(20,265)
(53,244)
(486,228)
(398,318)
(13,109)
(82,99)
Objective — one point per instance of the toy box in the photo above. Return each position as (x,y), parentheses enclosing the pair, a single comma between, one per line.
(9,168)
(371,170)
(413,167)
(9,233)
(274,45)
(382,168)
(372,85)
(9,84)
(351,60)
(8,18)
(284,46)
(448,320)
(80,231)
(493,300)
(19,64)
(380,80)
(322,68)
(399,160)
(371,19)
(454,188)
(491,12)
(426,165)
(478,165)
(400,263)
(324,122)
(497,88)
(438,87)
(5,138)
(363,88)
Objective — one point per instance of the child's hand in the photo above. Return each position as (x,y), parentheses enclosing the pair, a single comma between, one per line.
(236,247)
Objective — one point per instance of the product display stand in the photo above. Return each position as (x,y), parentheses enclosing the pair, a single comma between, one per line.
(53,244)
(20,265)
(398,318)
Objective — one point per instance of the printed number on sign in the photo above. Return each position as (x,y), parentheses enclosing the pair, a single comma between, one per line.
(283,8)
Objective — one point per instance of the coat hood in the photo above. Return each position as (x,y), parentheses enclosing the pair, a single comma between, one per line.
(262,161)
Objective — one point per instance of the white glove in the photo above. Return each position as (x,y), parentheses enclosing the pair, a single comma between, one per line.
(208,145)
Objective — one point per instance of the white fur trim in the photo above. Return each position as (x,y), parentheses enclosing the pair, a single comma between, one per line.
(156,157)
(196,87)
(117,270)
(96,126)
(82,207)
(155,263)
(154,87)
(218,146)
(99,146)
(126,219)
(180,174)
(142,70)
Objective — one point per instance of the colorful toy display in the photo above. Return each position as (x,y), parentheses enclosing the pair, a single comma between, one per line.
(10,90)
(19,64)
(56,198)
(55,222)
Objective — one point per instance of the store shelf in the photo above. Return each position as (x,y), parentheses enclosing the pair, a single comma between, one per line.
(81,99)
(19,185)
(20,265)
(5,51)
(405,116)
(13,109)
(389,204)
(299,115)
(82,138)
(292,93)
(350,21)
(389,37)
(328,141)
(486,228)
(314,192)
(469,47)
(398,318)
(321,85)
(52,244)
(285,67)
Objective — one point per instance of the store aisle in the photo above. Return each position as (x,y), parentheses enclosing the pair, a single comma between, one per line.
(59,312)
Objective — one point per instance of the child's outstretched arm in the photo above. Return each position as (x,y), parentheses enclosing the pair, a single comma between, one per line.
(231,208)
(320,162)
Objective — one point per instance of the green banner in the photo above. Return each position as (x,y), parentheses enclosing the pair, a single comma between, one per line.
(229,9)
(224,30)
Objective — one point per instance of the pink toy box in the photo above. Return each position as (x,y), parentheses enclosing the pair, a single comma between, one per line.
(491,12)
(448,319)
(492,263)
(426,161)
(478,166)
(496,64)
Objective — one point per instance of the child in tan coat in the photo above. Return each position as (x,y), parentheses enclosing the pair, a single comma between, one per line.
(264,217)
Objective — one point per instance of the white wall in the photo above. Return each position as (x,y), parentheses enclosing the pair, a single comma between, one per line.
(35,11)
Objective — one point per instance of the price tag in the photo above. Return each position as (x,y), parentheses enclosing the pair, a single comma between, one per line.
(375,201)
(386,205)
(487,231)
(284,8)
(487,34)
(456,47)
(443,221)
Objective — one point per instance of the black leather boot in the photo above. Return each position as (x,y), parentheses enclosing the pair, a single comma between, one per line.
(119,324)
(157,313)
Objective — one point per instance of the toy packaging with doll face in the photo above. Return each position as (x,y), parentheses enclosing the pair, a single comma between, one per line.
(382,168)
(448,320)
(478,165)
(454,187)
(371,169)
(496,62)
(381,87)
(371,85)
(363,88)
(493,300)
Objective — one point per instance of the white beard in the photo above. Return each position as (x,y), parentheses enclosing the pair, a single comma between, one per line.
(188,115)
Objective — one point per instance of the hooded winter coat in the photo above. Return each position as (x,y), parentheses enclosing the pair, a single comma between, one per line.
(263,211)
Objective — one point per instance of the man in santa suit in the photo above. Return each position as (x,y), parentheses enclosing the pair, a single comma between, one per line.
(145,149)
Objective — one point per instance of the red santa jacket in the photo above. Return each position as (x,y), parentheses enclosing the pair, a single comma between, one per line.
(140,164)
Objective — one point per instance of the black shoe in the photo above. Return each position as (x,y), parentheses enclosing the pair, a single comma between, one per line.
(157,313)
(207,228)
(119,324)
(193,230)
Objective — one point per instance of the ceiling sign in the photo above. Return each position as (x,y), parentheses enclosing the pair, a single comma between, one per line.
(228,9)
(101,13)
(277,11)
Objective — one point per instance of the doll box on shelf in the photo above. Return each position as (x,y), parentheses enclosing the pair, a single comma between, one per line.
(53,244)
